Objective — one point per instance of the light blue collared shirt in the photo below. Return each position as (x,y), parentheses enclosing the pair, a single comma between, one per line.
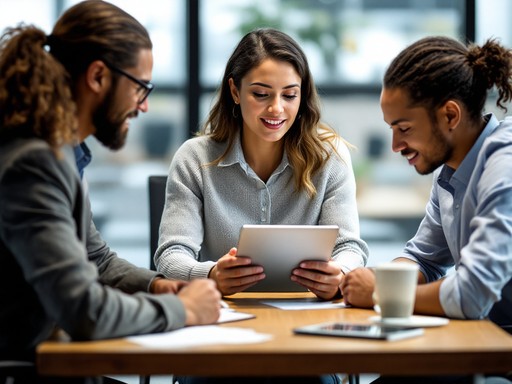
(468,224)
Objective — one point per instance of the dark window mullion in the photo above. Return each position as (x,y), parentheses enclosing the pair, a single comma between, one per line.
(193,57)
(470,20)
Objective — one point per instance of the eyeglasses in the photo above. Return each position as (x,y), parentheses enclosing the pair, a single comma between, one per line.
(145,87)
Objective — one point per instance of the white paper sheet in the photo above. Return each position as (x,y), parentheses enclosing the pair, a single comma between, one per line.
(301,304)
(227,315)
(200,335)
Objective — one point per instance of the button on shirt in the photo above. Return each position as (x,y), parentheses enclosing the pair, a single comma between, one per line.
(468,224)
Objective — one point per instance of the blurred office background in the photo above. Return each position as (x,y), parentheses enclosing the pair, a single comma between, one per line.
(349,43)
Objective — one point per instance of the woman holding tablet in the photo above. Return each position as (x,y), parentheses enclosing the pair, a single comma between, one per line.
(263,157)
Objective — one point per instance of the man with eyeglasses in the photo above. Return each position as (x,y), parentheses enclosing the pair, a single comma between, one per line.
(91,76)
(145,87)
(112,136)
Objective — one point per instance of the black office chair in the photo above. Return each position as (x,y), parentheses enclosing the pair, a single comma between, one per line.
(156,195)
(156,188)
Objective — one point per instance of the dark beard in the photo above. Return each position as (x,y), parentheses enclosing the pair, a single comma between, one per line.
(443,153)
(108,124)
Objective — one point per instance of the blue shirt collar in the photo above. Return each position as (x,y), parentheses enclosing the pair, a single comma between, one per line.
(83,157)
(466,168)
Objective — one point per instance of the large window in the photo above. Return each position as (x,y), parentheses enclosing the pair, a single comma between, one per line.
(165,21)
(349,43)
(493,21)
(40,13)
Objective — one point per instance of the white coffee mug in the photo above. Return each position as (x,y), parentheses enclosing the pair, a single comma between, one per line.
(395,289)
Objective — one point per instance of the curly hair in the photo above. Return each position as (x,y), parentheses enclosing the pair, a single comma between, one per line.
(35,98)
(436,69)
(308,143)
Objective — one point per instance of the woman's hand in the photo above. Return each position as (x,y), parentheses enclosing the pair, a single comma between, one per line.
(320,277)
(235,274)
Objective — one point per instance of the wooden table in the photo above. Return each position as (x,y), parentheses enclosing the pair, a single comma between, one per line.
(461,347)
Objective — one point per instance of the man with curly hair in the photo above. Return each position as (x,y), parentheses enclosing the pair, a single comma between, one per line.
(91,76)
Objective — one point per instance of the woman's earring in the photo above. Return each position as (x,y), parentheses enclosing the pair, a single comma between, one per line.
(234,111)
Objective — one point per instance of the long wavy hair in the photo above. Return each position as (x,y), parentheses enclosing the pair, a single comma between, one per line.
(436,69)
(308,143)
(38,73)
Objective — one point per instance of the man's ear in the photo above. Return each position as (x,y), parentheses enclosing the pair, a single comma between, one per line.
(97,77)
(451,114)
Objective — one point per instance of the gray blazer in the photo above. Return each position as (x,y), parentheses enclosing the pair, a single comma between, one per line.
(55,269)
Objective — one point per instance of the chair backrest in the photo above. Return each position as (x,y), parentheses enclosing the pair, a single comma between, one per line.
(156,188)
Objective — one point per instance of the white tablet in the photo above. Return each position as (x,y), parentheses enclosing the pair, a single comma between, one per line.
(281,248)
